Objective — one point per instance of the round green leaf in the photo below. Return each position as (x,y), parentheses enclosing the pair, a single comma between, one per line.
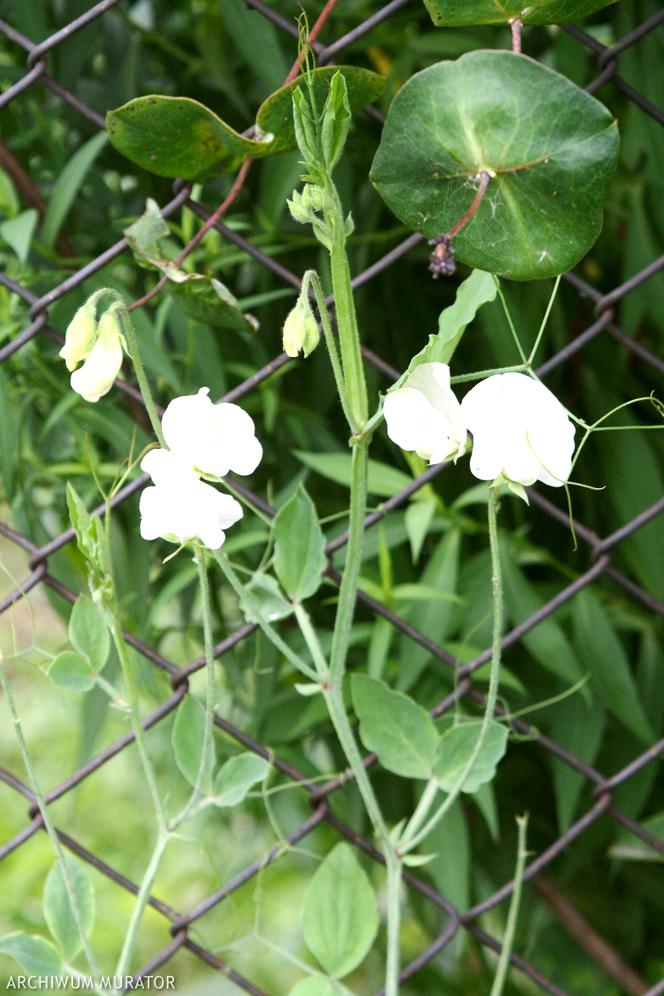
(275,115)
(550,148)
(456,748)
(178,137)
(68,670)
(454,13)
(339,916)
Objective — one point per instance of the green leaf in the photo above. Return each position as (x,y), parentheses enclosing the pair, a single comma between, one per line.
(178,137)
(35,955)
(236,777)
(335,122)
(263,596)
(88,632)
(58,911)
(450,869)
(200,296)
(603,655)
(299,546)
(399,730)
(418,518)
(477,289)
(628,847)
(17,232)
(275,115)
(455,13)
(339,916)
(188,739)
(67,186)
(315,986)
(456,747)
(549,147)
(384,480)
(68,670)
(578,725)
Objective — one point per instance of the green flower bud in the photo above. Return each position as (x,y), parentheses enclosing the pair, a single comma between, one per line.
(80,335)
(305,203)
(300,329)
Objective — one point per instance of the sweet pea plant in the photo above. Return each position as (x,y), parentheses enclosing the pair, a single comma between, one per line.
(498,140)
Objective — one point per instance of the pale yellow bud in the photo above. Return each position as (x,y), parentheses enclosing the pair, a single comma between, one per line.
(102,365)
(300,330)
(80,336)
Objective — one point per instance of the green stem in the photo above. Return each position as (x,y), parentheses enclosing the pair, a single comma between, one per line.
(545,320)
(349,338)
(508,940)
(481,374)
(509,321)
(48,825)
(422,809)
(330,341)
(131,686)
(141,377)
(394,872)
(409,841)
(139,907)
(203,768)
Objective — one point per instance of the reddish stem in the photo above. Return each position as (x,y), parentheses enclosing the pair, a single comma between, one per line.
(485,179)
(516,34)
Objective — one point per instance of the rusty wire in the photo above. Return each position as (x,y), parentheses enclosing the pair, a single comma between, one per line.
(603,323)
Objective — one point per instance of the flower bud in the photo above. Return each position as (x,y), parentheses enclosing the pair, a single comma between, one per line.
(306,202)
(102,362)
(300,329)
(80,335)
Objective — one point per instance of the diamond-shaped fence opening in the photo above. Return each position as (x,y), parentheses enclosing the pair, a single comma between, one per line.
(180,925)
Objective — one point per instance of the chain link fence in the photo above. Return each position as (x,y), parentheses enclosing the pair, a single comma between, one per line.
(601,549)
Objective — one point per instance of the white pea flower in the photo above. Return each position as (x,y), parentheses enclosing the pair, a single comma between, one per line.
(211,439)
(521,432)
(180,507)
(100,346)
(425,415)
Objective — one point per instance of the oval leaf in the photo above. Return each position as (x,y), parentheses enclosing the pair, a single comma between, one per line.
(299,546)
(68,670)
(262,598)
(454,13)
(339,916)
(88,632)
(58,911)
(35,955)
(275,115)
(236,777)
(550,147)
(400,731)
(317,985)
(178,137)
(188,738)
(456,749)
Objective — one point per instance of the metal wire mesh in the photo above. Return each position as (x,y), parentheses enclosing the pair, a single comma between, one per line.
(601,549)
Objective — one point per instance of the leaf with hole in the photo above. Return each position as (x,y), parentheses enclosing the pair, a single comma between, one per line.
(455,13)
(339,915)
(58,912)
(69,670)
(237,777)
(549,148)
(399,730)
(456,748)
(299,546)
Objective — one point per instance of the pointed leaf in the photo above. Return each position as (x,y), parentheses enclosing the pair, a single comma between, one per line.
(549,147)
(339,916)
(88,632)
(58,911)
(188,739)
(237,777)
(456,748)
(299,547)
(35,955)
(399,730)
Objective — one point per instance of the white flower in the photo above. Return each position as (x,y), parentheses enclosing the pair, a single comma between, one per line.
(425,415)
(180,507)
(211,439)
(520,431)
(102,354)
